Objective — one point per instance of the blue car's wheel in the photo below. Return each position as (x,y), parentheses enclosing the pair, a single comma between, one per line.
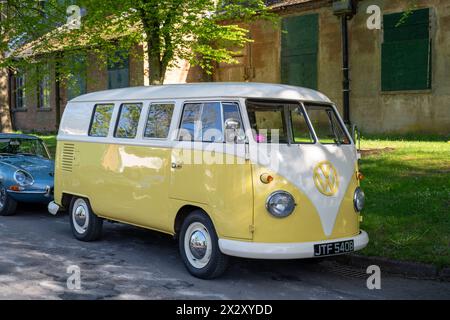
(7,204)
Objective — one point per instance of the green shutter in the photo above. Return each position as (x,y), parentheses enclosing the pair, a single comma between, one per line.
(299,47)
(406,52)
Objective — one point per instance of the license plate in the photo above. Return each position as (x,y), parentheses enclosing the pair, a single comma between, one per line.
(331,248)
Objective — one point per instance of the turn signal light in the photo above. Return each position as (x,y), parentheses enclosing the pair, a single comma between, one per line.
(359,176)
(16,188)
(266,178)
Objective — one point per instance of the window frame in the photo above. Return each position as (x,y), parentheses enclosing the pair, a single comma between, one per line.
(113,105)
(83,76)
(221,102)
(287,118)
(22,91)
(42,85)
(148,114)
(119,112)
(430,62)
(338,118)
(112,67)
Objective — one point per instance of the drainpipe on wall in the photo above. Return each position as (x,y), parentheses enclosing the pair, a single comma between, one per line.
(345,71)
(10,93)
(345,10)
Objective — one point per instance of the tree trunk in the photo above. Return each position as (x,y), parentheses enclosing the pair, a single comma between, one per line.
(157,71)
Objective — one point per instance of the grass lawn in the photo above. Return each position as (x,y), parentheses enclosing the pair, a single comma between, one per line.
(407,186)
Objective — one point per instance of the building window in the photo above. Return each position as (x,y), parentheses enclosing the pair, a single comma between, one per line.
(44,89)
(158,121)
(299,50)
(406,51)
(19,93)
(118,71)
(128,120)
(101,120)
(77,84)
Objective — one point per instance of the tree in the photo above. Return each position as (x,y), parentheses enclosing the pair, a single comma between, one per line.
(200,31)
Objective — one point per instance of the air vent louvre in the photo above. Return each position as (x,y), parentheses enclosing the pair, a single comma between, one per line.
(67,157)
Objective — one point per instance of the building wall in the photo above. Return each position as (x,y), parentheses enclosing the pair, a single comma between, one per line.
(373,111)
(32,119)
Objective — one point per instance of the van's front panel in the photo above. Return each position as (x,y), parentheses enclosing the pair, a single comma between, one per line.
(308,155)
(316,216)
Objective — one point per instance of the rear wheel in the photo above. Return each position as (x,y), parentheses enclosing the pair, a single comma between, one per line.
(7,204)
(199,247)
(86,226)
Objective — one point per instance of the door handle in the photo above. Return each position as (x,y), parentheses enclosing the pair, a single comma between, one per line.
(177,165)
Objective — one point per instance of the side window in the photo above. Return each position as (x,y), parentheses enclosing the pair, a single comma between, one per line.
(190,122)
(158,121)
(212,122)
(128,120)
(101,119)
(201,122)
(234,129)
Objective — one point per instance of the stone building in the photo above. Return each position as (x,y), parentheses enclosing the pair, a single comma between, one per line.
(399,74)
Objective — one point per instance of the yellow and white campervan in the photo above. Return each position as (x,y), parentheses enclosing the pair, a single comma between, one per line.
(261,171)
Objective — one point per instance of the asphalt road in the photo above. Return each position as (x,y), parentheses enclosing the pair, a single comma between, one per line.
(132,263)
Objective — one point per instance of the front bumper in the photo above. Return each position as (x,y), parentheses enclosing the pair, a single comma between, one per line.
(258,250)
(33,195)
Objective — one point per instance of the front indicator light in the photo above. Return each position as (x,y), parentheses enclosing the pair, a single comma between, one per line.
(16,188)
(280,204)
(266,178)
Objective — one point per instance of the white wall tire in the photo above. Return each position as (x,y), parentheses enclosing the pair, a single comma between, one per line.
(199,247)
(85,225)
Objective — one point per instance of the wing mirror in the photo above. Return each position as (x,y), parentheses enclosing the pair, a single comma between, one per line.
(233,132)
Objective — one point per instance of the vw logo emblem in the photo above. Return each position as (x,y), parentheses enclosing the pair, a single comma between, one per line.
(326,178)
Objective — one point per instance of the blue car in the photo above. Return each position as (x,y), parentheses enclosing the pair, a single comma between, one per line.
(26,172)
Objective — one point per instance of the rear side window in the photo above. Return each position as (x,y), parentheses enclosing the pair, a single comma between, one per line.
(101,120)
(128,120)
(158,120)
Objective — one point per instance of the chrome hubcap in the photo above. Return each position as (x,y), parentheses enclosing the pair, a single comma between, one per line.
(80,216)
(197,245)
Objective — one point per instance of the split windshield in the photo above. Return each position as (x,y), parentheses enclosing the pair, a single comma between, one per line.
(273,122)
(25,147)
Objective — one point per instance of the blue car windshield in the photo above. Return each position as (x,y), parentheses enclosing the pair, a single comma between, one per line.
(25,147)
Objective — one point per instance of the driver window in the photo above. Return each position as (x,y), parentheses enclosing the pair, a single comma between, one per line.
(234,129)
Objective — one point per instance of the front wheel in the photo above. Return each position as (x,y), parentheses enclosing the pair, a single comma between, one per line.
(199,247)
(85,225)
(7,204)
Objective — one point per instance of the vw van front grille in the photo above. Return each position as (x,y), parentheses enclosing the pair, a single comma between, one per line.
(67,157)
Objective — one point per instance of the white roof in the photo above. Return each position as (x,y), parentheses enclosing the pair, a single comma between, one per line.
(206,90)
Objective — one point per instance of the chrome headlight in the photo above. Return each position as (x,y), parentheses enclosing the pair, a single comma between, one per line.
(280,204)
(358,199)
(23,178)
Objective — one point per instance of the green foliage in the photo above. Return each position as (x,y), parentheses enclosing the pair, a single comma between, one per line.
(203,32)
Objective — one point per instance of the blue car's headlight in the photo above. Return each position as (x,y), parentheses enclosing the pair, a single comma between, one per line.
(23,178)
